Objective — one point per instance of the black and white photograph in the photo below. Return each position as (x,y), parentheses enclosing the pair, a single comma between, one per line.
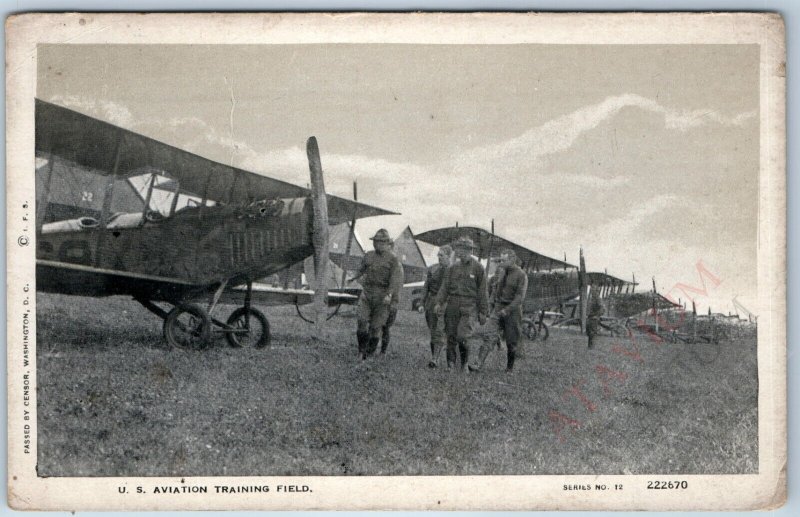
(453,256)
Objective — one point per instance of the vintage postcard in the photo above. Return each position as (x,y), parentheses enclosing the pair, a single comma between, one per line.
(360,261)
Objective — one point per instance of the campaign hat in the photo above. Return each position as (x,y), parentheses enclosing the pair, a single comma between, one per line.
(381,235)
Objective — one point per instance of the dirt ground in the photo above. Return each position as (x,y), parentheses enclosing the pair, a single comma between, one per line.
(113,400)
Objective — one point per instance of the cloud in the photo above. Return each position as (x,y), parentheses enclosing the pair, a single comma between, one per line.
(513,159)
(625,226)
(106,110)
(585,180)
(560,133)
(685,120)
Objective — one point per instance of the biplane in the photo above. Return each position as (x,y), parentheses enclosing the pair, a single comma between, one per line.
(609,289)
(648,312)
(200,231)
(555,287)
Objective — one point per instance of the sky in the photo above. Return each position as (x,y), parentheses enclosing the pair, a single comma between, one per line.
(646,156)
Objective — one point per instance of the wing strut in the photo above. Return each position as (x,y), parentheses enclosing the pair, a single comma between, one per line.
(350,237)
(583,298)
(491,245)
(41,209)
(108,196)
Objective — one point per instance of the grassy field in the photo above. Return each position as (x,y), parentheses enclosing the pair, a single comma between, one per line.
(113,400)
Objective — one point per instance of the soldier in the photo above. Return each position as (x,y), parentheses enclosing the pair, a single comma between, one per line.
(593,318)
(488,335)
(383,278)
(463,296)
(507,299)
(386,331)
(433,282)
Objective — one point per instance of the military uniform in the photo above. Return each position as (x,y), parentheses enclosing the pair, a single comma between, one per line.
(433,282)
(463,294)
(508,298)
(382,275)
(593,319)
(386,334)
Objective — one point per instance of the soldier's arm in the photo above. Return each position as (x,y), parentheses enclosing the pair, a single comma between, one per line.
(362,268)
(519,295)
(441,296)
(396,282)
(491,288)
(483,295)
(427,287)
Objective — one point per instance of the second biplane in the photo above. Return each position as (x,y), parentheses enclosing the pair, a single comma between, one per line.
(553,285)
(201,231)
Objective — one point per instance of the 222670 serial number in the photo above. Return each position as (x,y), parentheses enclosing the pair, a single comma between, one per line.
(668,485)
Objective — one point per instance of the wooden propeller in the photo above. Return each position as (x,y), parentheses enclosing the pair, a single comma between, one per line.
(320,237)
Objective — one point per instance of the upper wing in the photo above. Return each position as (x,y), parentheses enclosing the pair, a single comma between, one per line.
(629,304)
(109,149)
(604,279)
(488,244)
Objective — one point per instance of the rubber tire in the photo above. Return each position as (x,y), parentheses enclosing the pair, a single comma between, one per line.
(545,332)
(257,314)
(620,330)
(529,329)
(196,311)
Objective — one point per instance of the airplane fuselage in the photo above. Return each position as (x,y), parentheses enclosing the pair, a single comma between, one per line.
(193,250)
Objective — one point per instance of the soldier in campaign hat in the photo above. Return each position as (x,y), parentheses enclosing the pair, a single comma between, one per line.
(387,327)
(463,297)
(382,279)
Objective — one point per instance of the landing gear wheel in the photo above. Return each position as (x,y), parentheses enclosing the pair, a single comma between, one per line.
(529,329)
(544,331)
(620,330)
(533,329)
(188,326)
(252,328)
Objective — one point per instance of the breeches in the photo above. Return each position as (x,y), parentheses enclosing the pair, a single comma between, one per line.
(592,326)
(510,327)
(435,325)
(460,320)
(372,314)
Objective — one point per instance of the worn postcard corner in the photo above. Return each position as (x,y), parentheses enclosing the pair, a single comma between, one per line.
(487,261)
